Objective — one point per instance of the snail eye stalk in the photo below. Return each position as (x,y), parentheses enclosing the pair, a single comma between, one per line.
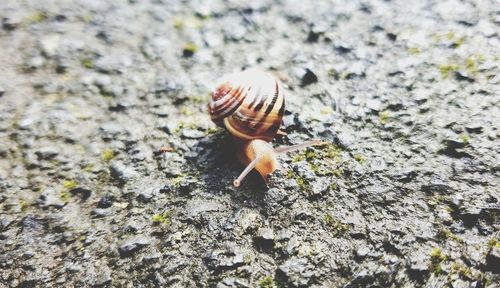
(245,172)
(286,149)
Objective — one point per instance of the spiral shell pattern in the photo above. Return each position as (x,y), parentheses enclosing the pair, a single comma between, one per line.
(249,104)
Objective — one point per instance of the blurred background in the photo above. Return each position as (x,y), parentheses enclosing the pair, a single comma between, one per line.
(112,174)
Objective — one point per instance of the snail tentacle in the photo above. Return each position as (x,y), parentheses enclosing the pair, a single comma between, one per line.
(286,149)
(250,167)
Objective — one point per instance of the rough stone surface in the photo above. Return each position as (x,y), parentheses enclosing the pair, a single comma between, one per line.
(112,174)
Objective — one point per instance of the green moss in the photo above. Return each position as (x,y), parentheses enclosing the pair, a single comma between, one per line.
(459,42)
(480,57)
(54,162)
(163,218)
(431,203)
(204,17)
(329,220)
(108,154)
(64,196)
(328,159)
(212,130)
(332,72)
(301,182)
(178,23)
(333,186)
(177,180)
(266,282)
(359,158)
(447,234)
(440,198)
(470,64)
(465,138)
(322,159)
(106,94)
(344,75)
(87,17)
(317,169)
(310,155)
(189,49)
(192,125)
(36,17)
(326,110)
(337,172)
(328,150)
(436,38)
(89,167)
(451,37)
(467,273)
(88,63)
(23,205)
(436,254)
(436,200)
(448,209)
(103,176)
(336,226)
(197,99)
(446,69)
(332,151)
(414,50)
(438,269)
(298,157)
(493,242)
(186,111)
(81,242)
(179,127)
(69,184)
(436,259)
(188,22)
(383,117)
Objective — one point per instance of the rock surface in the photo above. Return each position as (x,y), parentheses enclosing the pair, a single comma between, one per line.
(112,174)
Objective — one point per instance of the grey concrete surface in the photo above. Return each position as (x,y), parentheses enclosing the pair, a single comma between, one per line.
(406,193)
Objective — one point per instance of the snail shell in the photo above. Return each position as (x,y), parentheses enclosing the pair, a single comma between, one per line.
(249,104)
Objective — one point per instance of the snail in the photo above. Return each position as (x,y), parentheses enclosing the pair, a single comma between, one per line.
(250,104)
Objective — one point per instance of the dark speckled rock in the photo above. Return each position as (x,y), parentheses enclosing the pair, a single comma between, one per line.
(295,272)
(132,245)
(493,260)
(218,261)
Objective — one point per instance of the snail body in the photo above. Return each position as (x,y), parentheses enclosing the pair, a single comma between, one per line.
(260,151)
(250,104)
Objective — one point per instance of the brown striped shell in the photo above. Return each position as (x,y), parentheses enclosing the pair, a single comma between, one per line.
(249,104)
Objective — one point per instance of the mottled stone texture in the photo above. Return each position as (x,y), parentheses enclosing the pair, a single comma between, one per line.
(112,174)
